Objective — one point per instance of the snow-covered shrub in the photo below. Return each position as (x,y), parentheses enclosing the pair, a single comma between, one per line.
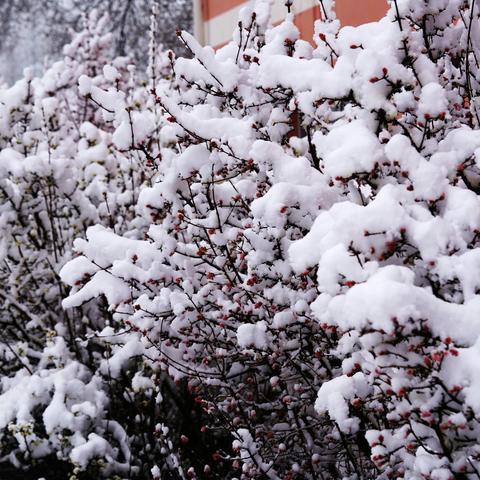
(209,296)
(295,294)
(59,174)
(397,258)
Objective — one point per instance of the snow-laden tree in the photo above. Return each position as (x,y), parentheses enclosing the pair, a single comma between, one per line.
(59,174)
(33,29)
(288,288)
(341,260)
(209,296)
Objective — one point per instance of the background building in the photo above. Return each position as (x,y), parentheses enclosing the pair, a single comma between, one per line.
(215,20)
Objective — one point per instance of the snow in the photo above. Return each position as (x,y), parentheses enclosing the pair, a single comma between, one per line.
(116,363)
(344,158)
(204,121)
(102,283)
(111,73)
(347,221)
(85,85)
(433,101)
(95,446)
(133,129)
(390,294)
(332,398)
(252,335)
(290,230)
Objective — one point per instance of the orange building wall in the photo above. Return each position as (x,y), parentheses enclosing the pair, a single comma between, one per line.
(213,8)
(357,12)
(305,22)
(349,12)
